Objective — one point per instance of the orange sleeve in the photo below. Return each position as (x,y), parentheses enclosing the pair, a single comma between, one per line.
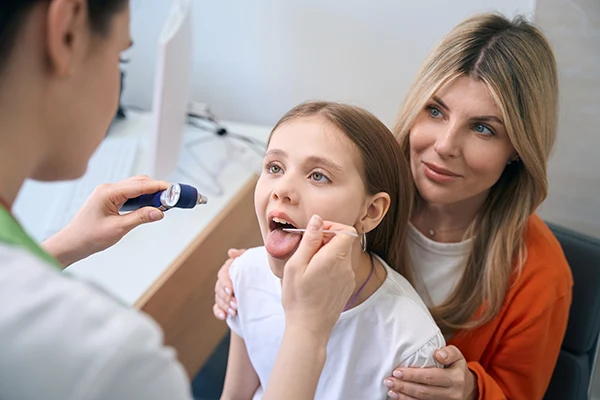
(522,367)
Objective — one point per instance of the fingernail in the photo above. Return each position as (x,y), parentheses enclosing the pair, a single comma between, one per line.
(388,383)
(443,354)
(315,223)
(221,316)
(227,291)
(233,304)
(398,374)
(393,395)
(231,312)
(156,215)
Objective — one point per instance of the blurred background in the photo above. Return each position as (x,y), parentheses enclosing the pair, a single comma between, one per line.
(254,60)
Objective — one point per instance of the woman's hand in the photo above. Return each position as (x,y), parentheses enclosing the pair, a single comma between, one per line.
(98,224)
(454,382)
(225,302)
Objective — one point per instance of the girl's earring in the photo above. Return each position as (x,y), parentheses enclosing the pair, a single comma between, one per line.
(363,241)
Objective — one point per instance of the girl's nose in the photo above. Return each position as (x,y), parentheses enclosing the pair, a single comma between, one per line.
(285,192)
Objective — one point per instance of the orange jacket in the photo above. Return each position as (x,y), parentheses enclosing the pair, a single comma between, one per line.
(513,356)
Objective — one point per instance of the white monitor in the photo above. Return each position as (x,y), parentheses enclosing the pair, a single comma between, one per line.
(171,90)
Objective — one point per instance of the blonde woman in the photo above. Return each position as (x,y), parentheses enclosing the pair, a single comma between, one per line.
(478,126)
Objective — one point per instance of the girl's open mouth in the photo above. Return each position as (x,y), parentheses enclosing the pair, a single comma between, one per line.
(280,244)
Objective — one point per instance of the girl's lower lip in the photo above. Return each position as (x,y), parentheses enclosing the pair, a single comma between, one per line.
(437,176)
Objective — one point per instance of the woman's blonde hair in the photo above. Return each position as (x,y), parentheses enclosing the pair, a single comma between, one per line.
(516,63)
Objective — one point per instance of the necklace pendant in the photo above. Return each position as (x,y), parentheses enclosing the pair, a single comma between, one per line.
(431,232)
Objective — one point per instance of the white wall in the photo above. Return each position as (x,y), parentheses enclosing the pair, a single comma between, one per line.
(573,27)
(256,59)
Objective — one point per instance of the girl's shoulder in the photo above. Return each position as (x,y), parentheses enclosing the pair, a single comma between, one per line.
(251,269)
(401,298)
(253,261)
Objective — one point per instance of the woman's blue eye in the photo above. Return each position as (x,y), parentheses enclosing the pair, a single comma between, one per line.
(482,129)
(319,177)
(274,169)
(435,113)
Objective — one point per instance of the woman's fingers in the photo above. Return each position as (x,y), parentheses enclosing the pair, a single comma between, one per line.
(410,390)
(223,277)
(429,376)
(225,303)
(219,314)
(235,253)
(448,355)
(222,299)
(134,187)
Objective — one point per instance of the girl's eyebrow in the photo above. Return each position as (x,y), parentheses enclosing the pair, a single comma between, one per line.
(326,163)
(312,160)
(276,152)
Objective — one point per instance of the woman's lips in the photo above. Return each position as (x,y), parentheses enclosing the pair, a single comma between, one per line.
(439,174)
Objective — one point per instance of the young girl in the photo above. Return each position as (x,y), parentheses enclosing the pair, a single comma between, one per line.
(341,163)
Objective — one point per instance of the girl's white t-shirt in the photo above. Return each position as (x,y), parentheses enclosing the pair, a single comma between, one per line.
(62,339)
(391,328)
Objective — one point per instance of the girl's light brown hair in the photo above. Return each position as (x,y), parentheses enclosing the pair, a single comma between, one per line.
(384,169)
(516,63)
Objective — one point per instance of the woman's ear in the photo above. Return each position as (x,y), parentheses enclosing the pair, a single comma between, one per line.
(377,206)
(66,26)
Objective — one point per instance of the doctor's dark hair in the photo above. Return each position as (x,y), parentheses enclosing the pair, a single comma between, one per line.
(14,12)
(384,168)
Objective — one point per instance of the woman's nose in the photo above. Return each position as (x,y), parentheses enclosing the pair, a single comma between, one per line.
(447,143)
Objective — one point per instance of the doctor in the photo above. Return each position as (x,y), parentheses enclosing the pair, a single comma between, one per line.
(60,338)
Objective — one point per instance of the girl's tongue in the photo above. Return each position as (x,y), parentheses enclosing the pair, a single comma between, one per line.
(280,244)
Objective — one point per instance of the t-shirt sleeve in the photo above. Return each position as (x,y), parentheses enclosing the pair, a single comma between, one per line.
(424,356)
(234,274)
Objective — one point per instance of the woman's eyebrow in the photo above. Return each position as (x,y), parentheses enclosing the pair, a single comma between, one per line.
(441,103)
(488,118)
(483,118)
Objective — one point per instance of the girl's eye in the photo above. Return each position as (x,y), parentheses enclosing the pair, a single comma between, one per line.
(274,169)
(483,130)
(319,177)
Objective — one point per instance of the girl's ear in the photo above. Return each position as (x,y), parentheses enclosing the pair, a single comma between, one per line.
(376,208)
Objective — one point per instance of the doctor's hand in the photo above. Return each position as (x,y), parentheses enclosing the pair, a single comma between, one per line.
(98,224)
(318,279)
(317,283)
